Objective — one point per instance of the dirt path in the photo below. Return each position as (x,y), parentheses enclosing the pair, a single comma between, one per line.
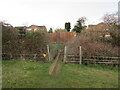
(52,67)
(56,65)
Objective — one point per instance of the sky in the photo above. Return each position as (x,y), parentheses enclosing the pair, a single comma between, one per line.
(54,13)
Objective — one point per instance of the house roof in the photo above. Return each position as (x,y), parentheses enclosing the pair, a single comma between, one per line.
(35,27)
(32,27)
(99,26)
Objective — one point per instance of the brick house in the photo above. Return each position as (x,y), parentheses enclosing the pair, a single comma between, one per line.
(35,28)
(99,27)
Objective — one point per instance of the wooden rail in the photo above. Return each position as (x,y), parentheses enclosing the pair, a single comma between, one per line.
(93,59)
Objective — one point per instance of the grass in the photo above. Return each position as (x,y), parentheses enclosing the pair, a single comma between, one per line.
(29,74)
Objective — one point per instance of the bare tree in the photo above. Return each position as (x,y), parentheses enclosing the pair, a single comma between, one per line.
(111,20)
(113,23)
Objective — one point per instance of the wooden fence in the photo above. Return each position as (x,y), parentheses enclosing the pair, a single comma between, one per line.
(89,60)
(93,60)
(35,56)
(62,37)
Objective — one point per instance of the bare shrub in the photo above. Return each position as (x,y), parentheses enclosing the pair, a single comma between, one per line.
(9,41)
(113,23)
(35,43)
(92,45)
(32,43)
(115,34)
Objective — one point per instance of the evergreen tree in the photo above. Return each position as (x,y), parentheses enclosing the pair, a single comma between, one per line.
(67,26)
(80,25)
(50,31)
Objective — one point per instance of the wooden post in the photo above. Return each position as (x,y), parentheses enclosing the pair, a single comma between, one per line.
(80,54)
(48,52)
(65,54)
(35,56)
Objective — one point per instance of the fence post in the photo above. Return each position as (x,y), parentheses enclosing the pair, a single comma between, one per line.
(65,54)
(48,52)
(35,56)
(80,54)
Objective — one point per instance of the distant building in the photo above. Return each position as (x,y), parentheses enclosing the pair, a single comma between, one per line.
(21,29)
(35,28)
(24,29)
(99,27)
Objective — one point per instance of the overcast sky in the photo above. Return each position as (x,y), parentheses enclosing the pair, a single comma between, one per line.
(54,13)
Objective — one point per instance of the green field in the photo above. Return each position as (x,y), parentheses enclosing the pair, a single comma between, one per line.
(29,74)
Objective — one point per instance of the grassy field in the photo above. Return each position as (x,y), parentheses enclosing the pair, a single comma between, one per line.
(29,74)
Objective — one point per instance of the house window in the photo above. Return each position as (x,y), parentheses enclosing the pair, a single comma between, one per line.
(35,29)
(29,29)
